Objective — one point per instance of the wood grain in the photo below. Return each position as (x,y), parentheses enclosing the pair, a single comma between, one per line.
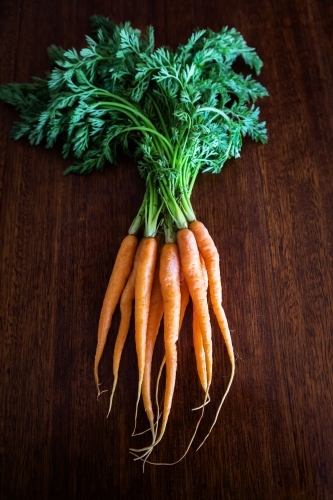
(271,215)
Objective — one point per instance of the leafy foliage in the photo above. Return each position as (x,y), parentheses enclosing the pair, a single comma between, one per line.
(177,112)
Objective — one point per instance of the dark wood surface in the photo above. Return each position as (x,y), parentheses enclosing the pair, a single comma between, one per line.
(271,215)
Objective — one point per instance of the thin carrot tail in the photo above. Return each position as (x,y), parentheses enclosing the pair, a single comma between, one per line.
(223,323)
(146,383)
(115,381)
(220,405)
(147,451)
(158,413)
(119,345)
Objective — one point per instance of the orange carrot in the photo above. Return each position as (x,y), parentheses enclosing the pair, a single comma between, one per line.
(143,287)
(118,278)
(126,304)
(210,254)
(191,266)
(170,288)
(154,320)
(184,300)
(211,257)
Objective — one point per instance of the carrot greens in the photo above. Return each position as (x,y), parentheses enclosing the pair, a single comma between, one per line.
(177,113)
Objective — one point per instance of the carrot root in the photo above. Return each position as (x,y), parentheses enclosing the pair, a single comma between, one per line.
(210,255)
(121,270)
(143,287)
(154,320)
(192,269)
(170,288)
(126,305)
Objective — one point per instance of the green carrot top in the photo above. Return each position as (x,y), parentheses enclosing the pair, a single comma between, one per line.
(177,113)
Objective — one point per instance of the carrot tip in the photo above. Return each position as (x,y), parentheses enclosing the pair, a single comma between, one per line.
(100,392)
(201,406)
(141,433)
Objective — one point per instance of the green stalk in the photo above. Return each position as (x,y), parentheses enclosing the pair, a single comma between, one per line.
(135,109)
(158,135)
(187,180)
(160,141)
(171,204)
(169,231)
(153,207)
(214,110)
(139,219)
(158,111)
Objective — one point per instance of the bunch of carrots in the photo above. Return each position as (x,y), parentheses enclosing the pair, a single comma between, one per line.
(177,113)
(159,277)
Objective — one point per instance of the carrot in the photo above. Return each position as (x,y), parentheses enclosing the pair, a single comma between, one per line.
(211,257)
(154,320)
(210,254)
(143,287)
(170,288)
(184,300)
(121,270)
(191,266)
(193,273)
(126,305)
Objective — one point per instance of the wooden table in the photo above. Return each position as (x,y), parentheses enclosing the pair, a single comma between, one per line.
(271,215)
